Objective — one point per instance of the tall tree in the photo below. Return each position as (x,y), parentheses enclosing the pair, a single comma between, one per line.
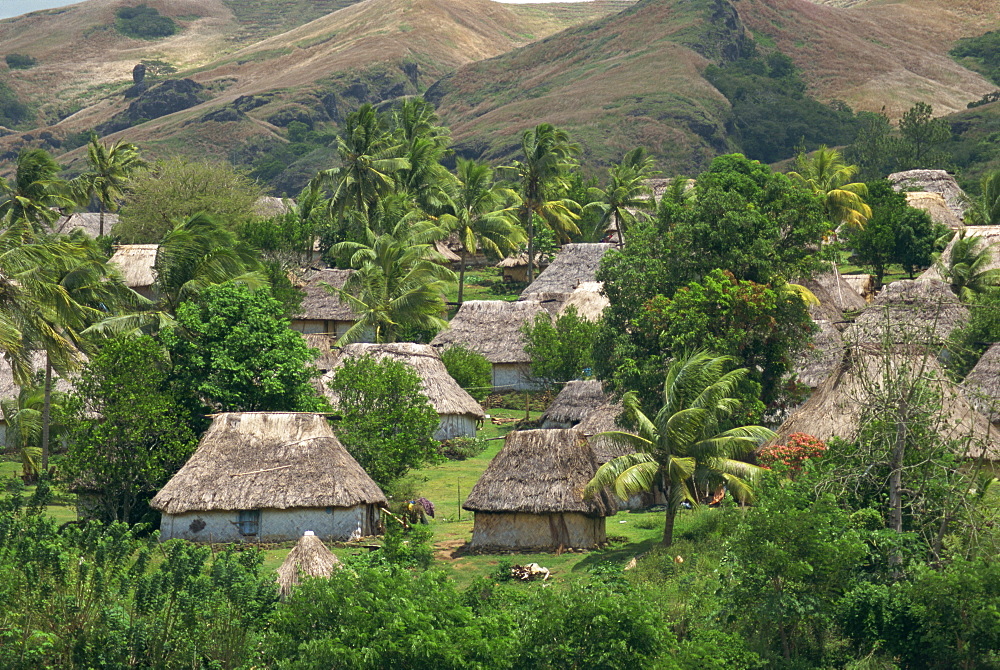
(36,194)
(481,213)
(683,450)
(110,169)
(627,190)
(548,156)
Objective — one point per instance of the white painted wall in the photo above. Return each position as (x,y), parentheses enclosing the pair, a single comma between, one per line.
(537,531)
(455,425)
(276,525)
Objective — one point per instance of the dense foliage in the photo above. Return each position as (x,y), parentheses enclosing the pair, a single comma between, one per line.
(470,370)
(983,51)
(560,350)
(144,22)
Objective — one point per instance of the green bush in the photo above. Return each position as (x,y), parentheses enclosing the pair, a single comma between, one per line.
(470,369)
(461,448)
(20,61)
(983,51)
(560,351)
(143,22)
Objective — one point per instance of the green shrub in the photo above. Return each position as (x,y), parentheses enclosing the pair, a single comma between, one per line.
(20,61)
(560,351)
(470,369)
(143,22)
(461,448)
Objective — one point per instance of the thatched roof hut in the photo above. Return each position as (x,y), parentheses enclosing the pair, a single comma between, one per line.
(837,408)
(269,476)
(137,264)
(934,181)
(575,402)
(493,328)
(936,206)
(308,558)
(328,354)
(587,299)
(268,206)
(459,411)
(835,297)
(515,268)
(815,364)
(531,495)
(573,265)
(863,285)
(323,311)
(982,385)
(909,312)
(88,222)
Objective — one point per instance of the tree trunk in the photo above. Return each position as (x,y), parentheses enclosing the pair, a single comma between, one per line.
(100,225)
(896,471)
(461,277)
(668,523)
(621,233)
(529,226)
(46,411)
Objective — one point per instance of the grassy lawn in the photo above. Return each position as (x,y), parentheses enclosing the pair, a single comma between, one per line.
(63,507)
(484,283)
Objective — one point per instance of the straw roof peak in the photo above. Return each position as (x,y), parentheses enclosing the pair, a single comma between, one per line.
(909,312)
(320,303)
(492,328)
(308,558)
(136,262)
(573,265)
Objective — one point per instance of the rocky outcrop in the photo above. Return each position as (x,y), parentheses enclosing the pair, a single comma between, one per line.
(172,95)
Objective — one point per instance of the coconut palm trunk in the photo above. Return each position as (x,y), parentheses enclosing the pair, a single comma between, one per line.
(671,516)
(46,413)
(529,226)
(100,219)
(461,276)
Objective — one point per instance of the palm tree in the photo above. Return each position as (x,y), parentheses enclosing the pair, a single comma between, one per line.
(682,448)
(985,210)
(23,416)
(110,169)
(825,174)
(966,266)
(548,155)
(479,211)
(398,281)
(626,191)
(36,194)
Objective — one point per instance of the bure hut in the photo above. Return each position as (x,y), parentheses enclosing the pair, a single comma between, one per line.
(493,328)
(515,268)
(863,285)
(982,385)
(308,558)
(573,265)
(459,413)
(137,263)
(269,477)
(88,222)
(814,364)
(531,495)
(323,311)
(908,312)
(933,181)
(936,206)
(575,402)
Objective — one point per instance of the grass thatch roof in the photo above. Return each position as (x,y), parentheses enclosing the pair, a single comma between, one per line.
(935,205)
(308,558)
(575,402)
(445,394)
(837,407)
(9,389)
(88,222)
(136,263)
(441,246)
(268,460)
(573,265)
(907,312)
(586,298)
(934,181)
(835,296)
(491,327)
(982,384)
(320,304)
(267,206)
(521,261)
(540,472)
(863,285)
(815,364)
(323,343)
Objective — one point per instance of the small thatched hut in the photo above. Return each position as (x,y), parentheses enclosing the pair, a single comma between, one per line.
(321,310)
(936,206)
(575,402)
(88,222)
(308,558)
(933,181)
(573,265)
(493,328)
(909,312)
(137,264)
(835,295)
(531,495)
(268,206)
(269,477)
(458,411)
(515,268)
(586,299)
(982,385)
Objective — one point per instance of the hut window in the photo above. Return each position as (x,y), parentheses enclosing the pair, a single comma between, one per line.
(249,521)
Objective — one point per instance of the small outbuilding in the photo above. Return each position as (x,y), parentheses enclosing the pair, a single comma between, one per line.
(322,311)
(458,411)
(137,263)
(531,496)
(308,558)
(572,266)
(88,222)
(932,181)
(269,477)
(493,328)
(515,268)
(576,401)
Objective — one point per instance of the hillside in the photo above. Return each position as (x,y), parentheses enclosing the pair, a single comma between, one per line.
(645,66)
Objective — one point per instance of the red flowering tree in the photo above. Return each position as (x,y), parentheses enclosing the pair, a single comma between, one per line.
(799,449)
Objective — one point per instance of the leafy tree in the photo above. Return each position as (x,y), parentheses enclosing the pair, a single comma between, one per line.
(825,174)
(132,434)
(560,351)
(894,234)
(397,283)
(387,422)
(970,340)
(923,136)
(177,189)
(110,169)
(627,191)
(966,266)
(541,179)
(232,351)
(36,194)
(683,450)
(470,370)
(478,211)
(144,22)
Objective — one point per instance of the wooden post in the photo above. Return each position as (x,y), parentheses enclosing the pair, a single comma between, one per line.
(458,493)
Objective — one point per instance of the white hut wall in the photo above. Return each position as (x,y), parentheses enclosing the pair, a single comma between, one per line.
(514,377)
(455,425)
(274,525)
(509,530)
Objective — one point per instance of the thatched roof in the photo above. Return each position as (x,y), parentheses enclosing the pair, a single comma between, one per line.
(863,285)
(521,261)
(308,558)
(982,384)
(990,238)
(324,344)
(907,312)
(88,222)
(136,263)
(573,265)
(935,205)
(540,472)
(445,394)
(268,460)
(575,402)
(441,246)
(815,364)
(837,407)
(267,206)
(9,389)
(491,327)
(831,290)
(587,298)
(934,181)
(320,304)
